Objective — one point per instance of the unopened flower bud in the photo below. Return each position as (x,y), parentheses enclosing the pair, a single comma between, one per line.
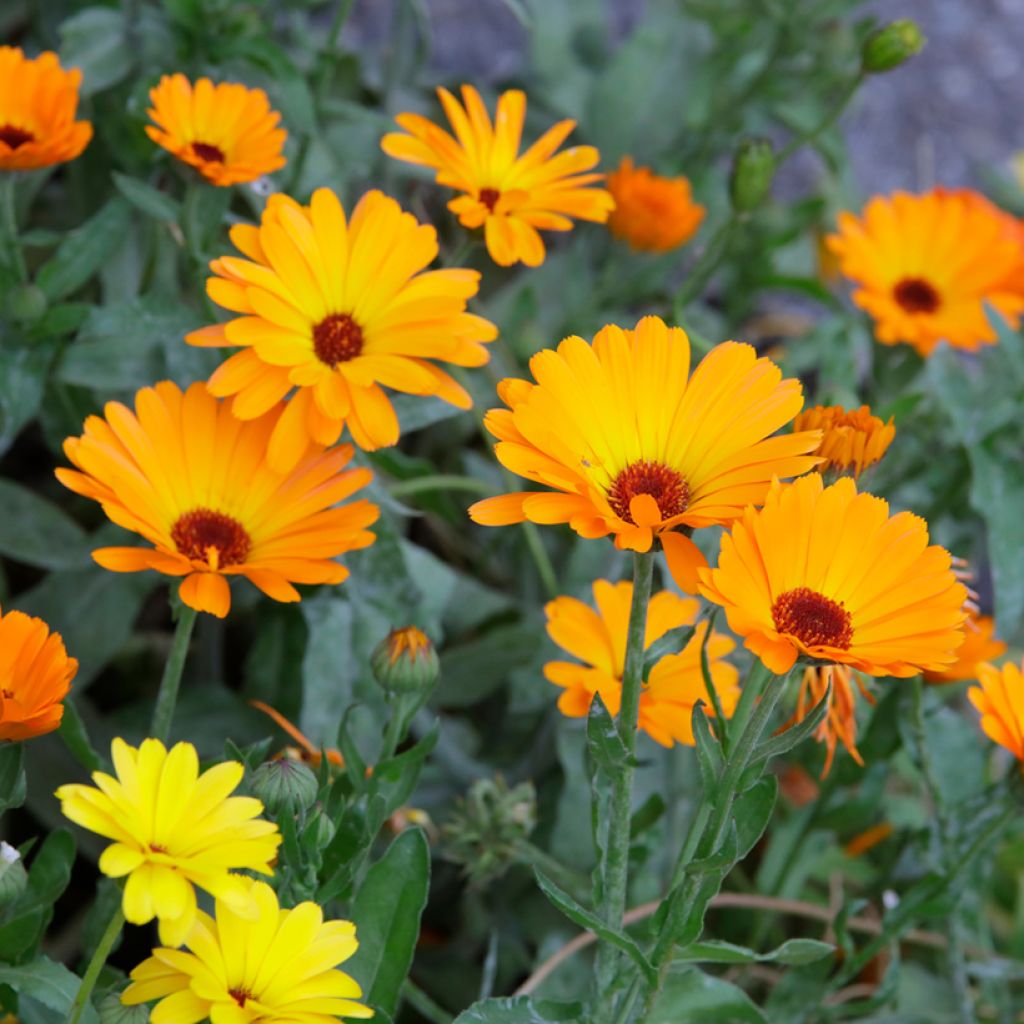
(752,171)
(26,303)
(405,662)
(285,786)
(113,1011)
(324,829)
(888,47)
(13,877)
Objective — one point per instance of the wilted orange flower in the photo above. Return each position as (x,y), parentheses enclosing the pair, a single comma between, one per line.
(227,132)
(635,447)
(927,265)
(193,480)
(1000,700)
(868,839)
(980,644)
(652,213)
(510,195)
(840,723)
(305,751)
(38,102)
(851,440)
(35,676)
(675,682)
(825,572)
(337,309)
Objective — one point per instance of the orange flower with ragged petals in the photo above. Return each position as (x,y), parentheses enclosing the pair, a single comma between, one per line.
(652,213)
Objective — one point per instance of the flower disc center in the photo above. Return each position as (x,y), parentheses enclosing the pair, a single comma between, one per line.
(815,620)
(240,996)
(489,197)
(337,339)
(915,295)
(208,151)
(14,136)
(664,485)
(212,537)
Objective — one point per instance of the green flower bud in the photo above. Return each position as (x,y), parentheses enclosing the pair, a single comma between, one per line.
(888,47)
(285,786)
(113,1011)
(26,303)
(752,171)
(405,662)
(322,829)
(13,877)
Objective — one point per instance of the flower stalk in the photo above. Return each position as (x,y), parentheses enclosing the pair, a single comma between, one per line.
(9,225)
(170,683)
(96,964)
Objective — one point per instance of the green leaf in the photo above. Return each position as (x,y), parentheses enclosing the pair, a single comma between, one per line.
(76,738)
(604,743)
(149,200)
(95,41)
(387,912)
(753,810)
(797,952)
(671,643)
(474,670)
(49,983)
(37,532)
(520,1010)
(709,752)
(794,952)
(795,734)
(690,996)
(23,374)
(12,776)
(50,871)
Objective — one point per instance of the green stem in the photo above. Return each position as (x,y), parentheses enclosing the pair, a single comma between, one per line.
(395,728)
(167,697)
(438,482)
(424,1004)
(702,270)
(823,125)
(541,559)
(96,964)
(9,224)
(615,869)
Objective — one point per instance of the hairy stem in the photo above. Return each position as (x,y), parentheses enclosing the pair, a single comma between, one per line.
(167,697)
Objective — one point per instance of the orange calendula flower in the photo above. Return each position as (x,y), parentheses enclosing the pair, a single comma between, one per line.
(35,676)
(339,309)
(840,723)
(1000,700)
(675,682)
(227,132)
(927,266)
(652,213)
(980,644)
(512,196)
(827,573)
(193,480)
(851,440)
(633,446)
(38,103)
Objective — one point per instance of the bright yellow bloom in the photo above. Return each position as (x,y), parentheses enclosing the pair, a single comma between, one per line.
(510,195)
(227,132)
(980,644)
(38,102)
(631,445)
(927,266)
(675,682)
(825,572)
(851,440)
(173,828)
(276,967)
(193,480)
(652,213)
(35,676)
(840,723)
(1000,700)
(336,309)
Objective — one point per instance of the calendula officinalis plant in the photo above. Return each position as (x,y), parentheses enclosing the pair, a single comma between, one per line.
(517,548)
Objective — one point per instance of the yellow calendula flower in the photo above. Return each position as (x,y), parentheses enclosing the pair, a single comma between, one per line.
(276,967)
(173,829)
(512,196)
(652,213)
(999,698)
(851,440)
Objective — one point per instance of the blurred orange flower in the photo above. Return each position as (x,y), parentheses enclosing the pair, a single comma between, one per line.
(980,644)
(851,439)
(652,213)
(1000,700)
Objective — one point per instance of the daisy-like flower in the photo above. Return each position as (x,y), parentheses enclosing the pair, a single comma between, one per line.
(675,682)
(851,440)
(172,829)
(38,103)
(276,967)
(652,213)
(336,309)
(840,723)
(999,698)
(192,479)
(980,644)
(927,265)
(631,445)
(827,573)
(35,676)
(512,196)
(227,132)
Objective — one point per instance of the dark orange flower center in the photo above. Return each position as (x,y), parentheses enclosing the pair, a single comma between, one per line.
(8,694)
(157,848)
(337,339)
(916,295)
(208,151)
(202,532)
(240,995)
(489,197)
(14,136)
(815,620)
(664,485)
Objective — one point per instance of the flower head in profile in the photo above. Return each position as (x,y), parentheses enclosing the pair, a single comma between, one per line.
(851,440)
(335,310)
(227,132)
(276,967)
(840,722)
(35,676)
(980,644)
(628,443)
(926,266)
(192,479)
(652,213)
(675,682)
(827,573)
(38,103)
(173,829)
(999,699)
(512,196)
